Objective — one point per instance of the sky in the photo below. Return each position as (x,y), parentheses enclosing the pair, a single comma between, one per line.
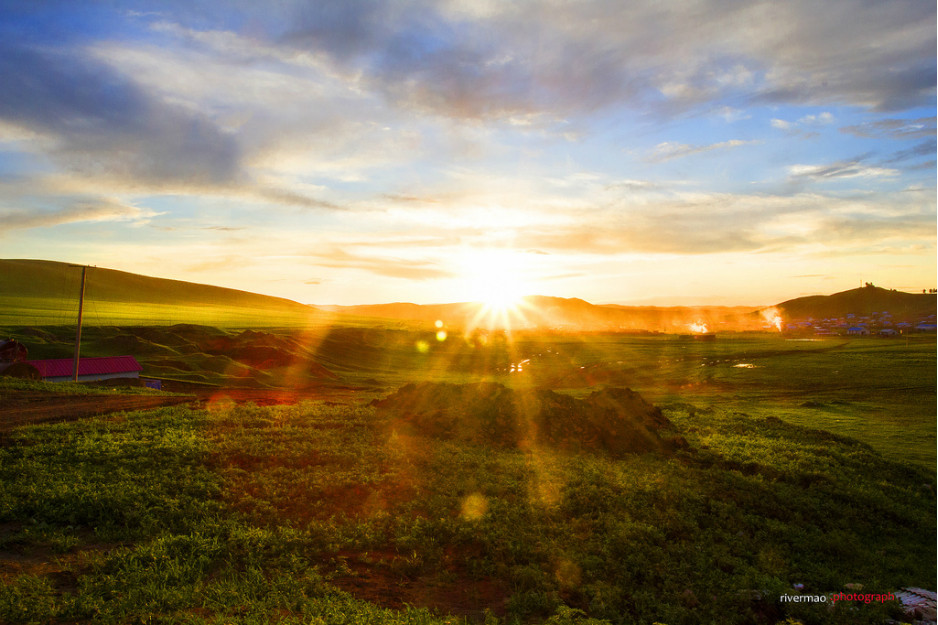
(352,152)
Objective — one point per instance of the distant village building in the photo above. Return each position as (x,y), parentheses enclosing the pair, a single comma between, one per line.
(89,369)
(857,331)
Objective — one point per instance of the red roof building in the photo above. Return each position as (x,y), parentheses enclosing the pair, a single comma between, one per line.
(89,369)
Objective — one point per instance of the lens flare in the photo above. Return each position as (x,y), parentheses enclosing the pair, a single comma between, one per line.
(474,507)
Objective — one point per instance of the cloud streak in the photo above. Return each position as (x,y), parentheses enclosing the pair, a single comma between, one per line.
(893,128)
(387,267)
(667,151)
(854,168)
(85,211)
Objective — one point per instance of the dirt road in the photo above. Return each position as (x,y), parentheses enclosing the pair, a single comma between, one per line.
(26,407)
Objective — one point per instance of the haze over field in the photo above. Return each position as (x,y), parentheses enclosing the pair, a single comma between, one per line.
(450,151)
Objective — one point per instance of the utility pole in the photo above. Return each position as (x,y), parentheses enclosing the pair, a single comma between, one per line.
(81,303)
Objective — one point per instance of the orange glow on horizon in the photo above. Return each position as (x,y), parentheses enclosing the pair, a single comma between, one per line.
(495,279)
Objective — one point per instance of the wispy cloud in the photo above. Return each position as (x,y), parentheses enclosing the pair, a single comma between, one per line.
(102,210)
(667,151)
(893,128)
(382,266)
(723,223)
(842,169)
(925,148)
(805,127)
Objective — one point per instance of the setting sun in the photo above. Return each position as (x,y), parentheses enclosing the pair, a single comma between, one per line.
(494,278)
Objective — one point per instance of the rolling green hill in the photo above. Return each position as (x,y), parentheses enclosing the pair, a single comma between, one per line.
(40,292)
(862,301)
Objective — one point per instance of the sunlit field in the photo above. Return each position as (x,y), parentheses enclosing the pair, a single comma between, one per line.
(784,465)
(881,391)
(468,312)
(319,513)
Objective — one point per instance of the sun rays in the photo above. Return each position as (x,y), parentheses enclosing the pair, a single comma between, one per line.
(496,281)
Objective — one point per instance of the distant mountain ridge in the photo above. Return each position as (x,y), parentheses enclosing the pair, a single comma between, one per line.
(863,301)
(36,286)
(546,312)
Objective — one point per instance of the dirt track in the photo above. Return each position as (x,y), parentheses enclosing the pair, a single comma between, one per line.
(265,396)
(26,407)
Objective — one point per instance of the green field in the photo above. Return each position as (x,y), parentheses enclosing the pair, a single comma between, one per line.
(319,514)
(880,391)
(812,464)
(808,462)
(42,293)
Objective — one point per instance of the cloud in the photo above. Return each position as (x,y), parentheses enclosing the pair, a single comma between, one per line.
(283,196)
(805,127)
(639,237)
(841,169)
(718,223)
(104,128)
(633,185)
(731,114)
(893,128)
(878,230)
(821,119)
(98,122)
(667,150)
(533,56)
(387,267)
(925,148)
(101,210)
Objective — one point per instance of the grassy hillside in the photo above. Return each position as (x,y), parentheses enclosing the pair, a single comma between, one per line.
(38,292)
(862,301)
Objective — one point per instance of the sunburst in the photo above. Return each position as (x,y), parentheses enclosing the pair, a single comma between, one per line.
(495,279)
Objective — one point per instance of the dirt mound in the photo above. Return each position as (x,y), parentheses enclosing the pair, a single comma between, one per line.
(592,375)
(616,421)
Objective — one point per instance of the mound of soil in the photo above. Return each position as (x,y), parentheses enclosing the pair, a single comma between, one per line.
(615,421)
(582,377)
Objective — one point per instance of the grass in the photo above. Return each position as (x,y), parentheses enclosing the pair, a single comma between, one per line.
(11,385)
(881,391)
(319,513)
(46,293)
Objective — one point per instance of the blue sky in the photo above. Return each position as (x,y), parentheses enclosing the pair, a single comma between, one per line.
(361,152)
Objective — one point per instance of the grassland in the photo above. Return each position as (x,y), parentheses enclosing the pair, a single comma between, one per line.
(880,391)
(319,514)
(810,462)
(40,293)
